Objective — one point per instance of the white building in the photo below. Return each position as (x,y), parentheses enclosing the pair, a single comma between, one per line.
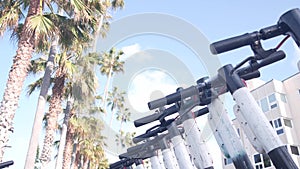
(280,101)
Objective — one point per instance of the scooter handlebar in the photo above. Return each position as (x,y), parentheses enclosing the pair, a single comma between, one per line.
(156,116)
(289,23)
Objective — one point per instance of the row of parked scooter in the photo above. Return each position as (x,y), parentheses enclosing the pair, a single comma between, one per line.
(179,139)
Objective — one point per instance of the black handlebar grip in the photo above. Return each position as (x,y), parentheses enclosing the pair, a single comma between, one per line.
(171,110)
(148,119)
(233,43)
(172,98)
(6,164)
(201,112)
(136,140)
(164,101)
(279,55)
(144,136)
(251,75)
(156,116)
(119,164)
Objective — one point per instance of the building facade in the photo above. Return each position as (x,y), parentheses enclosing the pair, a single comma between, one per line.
(280,101)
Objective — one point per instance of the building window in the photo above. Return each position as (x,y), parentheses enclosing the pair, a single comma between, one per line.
(277,125)
(258,166)
(271,122)
(273,106)
(287,123)
(262,161)
(227,161)
(264,104)
(295,150)
(268,103)
(272,98)
(267,160)
(283,97)
(257,158)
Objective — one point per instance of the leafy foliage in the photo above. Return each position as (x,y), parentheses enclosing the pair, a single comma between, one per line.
(124,139)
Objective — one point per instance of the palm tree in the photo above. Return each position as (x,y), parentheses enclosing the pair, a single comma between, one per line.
(123,116)
(62,143)
(115,102)
(70,32)
(102,24)
(110,63)
(82,90)
(33,144)
(35,26)
(88,141)
(68,147)
(124,139)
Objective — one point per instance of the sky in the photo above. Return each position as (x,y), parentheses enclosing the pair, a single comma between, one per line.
(171,52)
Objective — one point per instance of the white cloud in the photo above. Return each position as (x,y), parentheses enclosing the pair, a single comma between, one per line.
(130,50)
(149,85)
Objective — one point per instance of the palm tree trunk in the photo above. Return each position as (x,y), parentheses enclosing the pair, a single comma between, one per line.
(121,125)
(85,163)
(16,78)
(68,150)
(106,88)
(98,32)
(77,159)
(54,110)
(40,109)
(59,158)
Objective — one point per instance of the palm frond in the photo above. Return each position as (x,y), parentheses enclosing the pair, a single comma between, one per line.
(37,65)
(34,86)
(42,27)
(118,4)
(10,16)
(16,34)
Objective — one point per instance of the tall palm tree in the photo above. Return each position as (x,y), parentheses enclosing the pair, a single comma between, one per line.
(68,147)
(33,143)
(103,24)
(88,141)
(70,31)
(82,90)
(115,102)
(58,164)
(110,63)
(123,116)
(55,108)
(35,26)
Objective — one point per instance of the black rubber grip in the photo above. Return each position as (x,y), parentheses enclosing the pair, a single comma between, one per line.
(164,101)
(233,43)
(147,119)
(144,136)
(201,112)
(279,55)
(138,154)
(116,165)
(172,98)
(121,163)
(152,133)
(138,139)
(156,116)
(251,75)
(6,164)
